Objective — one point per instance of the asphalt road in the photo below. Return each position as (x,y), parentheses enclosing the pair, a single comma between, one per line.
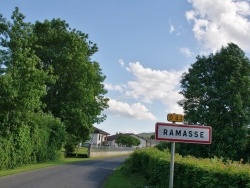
(86,174)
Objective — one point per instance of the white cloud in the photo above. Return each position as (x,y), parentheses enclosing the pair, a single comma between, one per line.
(154,85)
(111,87)
(147,86)
(171,29)
(136,110)
(121,62)
(218,22)
(186,51)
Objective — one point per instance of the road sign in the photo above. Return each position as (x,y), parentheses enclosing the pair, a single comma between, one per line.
(183,133)
(175,117)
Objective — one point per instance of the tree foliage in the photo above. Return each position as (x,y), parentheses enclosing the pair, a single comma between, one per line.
(50,90)
(127,140)
(77,96)
(27,134)
(216,92)
(23,80)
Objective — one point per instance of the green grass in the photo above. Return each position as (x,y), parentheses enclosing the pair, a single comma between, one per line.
(40,165)
(82,150)
(123,179)
(118,179)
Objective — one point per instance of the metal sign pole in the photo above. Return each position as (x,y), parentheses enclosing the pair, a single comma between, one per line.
(171,176)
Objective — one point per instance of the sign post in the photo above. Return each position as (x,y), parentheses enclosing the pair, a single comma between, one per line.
(174,118)
(171,174)
(181,133)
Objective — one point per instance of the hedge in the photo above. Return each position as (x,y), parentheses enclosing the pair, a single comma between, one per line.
(189,172)
(36,140)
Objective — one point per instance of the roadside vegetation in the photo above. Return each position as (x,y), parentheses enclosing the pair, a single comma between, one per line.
(51,92)
(216,92)
(150,168)
(119,179)
(76,156)
(40,165)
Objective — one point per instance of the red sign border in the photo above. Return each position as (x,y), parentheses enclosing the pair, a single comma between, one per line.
(183,140)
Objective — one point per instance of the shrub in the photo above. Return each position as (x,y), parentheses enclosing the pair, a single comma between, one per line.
(189,172)
(37,139)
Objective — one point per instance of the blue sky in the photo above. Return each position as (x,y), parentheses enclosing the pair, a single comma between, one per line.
(144,47)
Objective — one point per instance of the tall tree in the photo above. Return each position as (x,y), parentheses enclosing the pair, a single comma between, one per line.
(77,97)
(27,134)
(22,79)
(216,92)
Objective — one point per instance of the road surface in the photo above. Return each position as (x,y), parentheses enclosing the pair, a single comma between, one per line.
(85,174)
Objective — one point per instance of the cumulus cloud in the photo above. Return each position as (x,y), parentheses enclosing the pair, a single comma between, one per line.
(147,86)
(218,22)
(136,110)
(111,87)
(154,85)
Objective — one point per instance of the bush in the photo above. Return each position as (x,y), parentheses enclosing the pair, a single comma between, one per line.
(48,135)
(37,139)
(190,172)
(163,146)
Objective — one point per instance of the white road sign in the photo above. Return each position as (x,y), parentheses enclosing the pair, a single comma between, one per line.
(183,133)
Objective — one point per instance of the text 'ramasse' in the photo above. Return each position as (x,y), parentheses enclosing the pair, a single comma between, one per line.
(183,133)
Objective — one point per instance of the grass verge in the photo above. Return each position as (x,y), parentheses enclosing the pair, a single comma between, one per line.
(40,165)
(118,179)
(122,179)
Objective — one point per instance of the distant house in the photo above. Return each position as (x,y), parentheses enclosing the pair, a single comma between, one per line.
(98,138)
(112,143)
